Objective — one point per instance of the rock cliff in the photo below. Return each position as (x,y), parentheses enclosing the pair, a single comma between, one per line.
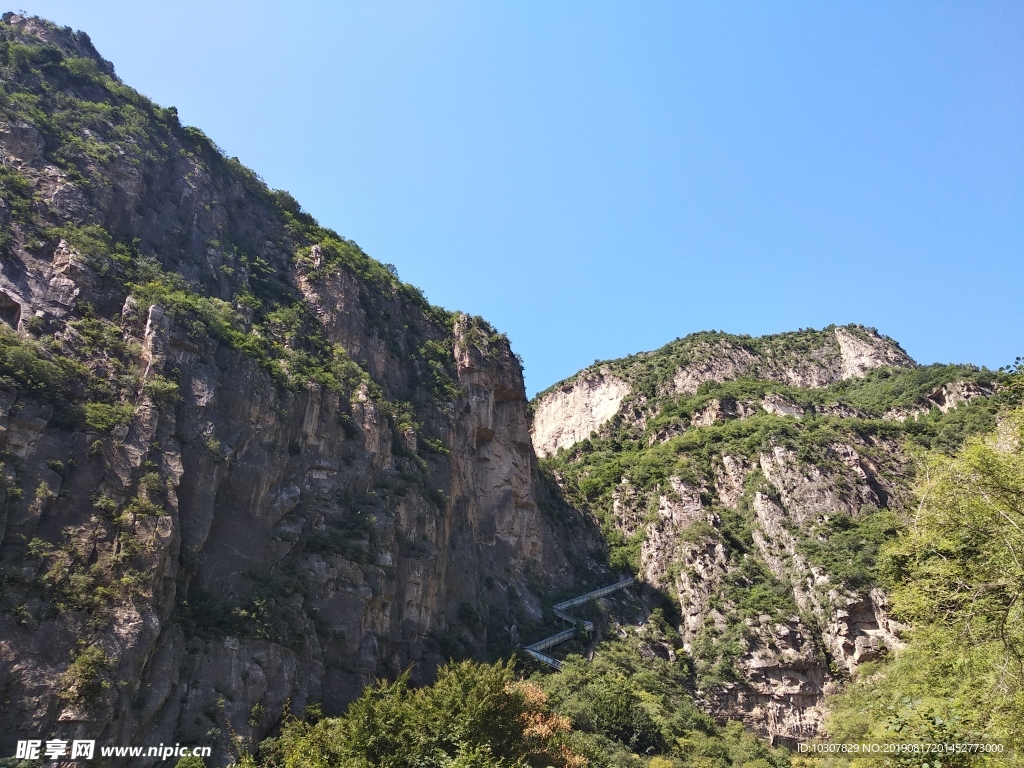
(754,480)
(244,467)
(571,412)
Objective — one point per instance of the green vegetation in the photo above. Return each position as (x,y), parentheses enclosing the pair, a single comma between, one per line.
(635,700)
(37,369)
(72,582)
(957,576)
(631,708)
(85,377)
(103,418)
(86,677)
(748,592)
(847,547)
(161,390)
(474,715)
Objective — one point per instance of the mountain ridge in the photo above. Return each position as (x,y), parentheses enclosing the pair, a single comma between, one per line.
(804,358)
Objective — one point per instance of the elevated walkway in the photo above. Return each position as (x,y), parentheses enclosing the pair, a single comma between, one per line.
(534,649)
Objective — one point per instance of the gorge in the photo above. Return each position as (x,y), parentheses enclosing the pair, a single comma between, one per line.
(246,470)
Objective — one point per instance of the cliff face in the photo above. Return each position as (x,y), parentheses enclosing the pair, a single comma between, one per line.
(754,481)
(570,413)
(244,466)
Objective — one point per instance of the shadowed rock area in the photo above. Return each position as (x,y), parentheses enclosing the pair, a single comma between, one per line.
(244,466)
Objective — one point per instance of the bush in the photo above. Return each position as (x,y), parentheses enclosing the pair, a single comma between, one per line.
(30,366)
(102,417)
(847,548)
(474,715)
(84,680)
(161,391)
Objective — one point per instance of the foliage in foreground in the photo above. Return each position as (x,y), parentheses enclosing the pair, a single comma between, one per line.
(474,715)
(958,576)
(630,707)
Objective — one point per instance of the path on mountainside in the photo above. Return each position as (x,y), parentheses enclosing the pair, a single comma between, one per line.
(535,649)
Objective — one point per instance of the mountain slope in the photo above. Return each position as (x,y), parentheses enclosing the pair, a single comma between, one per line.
(570,410)
(754,480)
(243,464)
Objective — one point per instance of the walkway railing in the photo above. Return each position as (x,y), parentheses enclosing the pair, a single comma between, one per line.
(534,649)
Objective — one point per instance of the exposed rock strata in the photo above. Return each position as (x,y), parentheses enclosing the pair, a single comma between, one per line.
(721,410)
(784,663)
(861,352)
(572,411)
(850,352)
(949,396)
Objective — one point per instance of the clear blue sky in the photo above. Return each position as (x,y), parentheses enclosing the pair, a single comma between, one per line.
(598,178)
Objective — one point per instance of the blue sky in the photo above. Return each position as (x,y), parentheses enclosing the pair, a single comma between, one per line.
(599,178)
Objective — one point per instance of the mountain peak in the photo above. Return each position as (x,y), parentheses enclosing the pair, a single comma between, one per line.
(34,30)
(807,358)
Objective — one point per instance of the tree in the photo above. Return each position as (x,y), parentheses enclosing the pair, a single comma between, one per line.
(956,574)
(474,716)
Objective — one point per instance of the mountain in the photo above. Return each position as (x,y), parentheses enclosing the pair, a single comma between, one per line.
(245,470)
(244,466)
(754,480)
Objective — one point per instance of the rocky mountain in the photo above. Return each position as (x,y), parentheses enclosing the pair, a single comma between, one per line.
(754,480)
(244,467)
(569,411)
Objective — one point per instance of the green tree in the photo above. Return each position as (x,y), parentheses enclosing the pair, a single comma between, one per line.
(957,574)
(475,715)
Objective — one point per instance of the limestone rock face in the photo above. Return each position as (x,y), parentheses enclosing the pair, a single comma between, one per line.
(785,682)
(573,410)
(783,661)
(780,406)
(860,353)
(949,396)
(849,353)
(718,411)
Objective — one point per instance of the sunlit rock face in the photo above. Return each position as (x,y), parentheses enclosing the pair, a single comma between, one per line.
(570,412)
